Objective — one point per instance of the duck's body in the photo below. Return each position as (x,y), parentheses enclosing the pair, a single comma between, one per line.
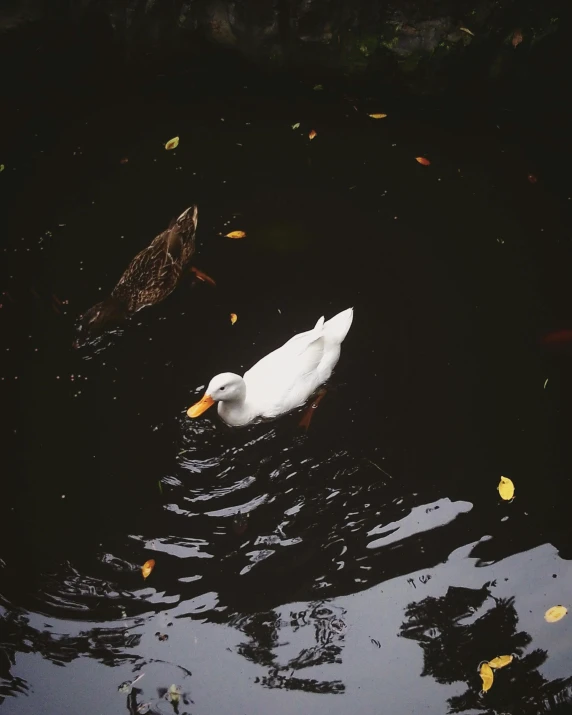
(150,277)
(281,381)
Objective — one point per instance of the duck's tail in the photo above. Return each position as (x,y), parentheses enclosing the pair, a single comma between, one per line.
(336,329)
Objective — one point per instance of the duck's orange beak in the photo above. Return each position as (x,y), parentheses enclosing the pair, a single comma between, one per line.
(201,406)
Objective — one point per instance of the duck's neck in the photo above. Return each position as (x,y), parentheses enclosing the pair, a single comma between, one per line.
(235,412)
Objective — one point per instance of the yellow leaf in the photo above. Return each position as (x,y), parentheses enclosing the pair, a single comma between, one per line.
(486,676)
(555,613)
(377,116)
(147,567)
(464,29)
(500,661)
(313,134)
(296,126)
(506,488)
(172,143)
(233,318)
(236,234)
(2,167)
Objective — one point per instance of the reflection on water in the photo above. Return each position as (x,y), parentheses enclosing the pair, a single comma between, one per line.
(356,558)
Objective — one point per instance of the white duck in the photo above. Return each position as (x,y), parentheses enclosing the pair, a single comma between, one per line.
(281,381)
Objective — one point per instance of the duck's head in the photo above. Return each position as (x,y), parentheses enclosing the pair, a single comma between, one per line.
(185,225)
(226,387)
(99,318)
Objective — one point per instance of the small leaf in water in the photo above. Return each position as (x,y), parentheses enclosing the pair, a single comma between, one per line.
(500,661)
(318,87)
(147,567)
(160,486)
(466,29)
(296,126)
(233,318)
(532,178)
(172,143)
(174,693)
(127,686)
(312,134)
(422,160)
(377,115)
(203,276)
(506,488)
(236,234)
(124,160)
(487,676)
(545,383)
(516,38)
(555,613)
(2,167)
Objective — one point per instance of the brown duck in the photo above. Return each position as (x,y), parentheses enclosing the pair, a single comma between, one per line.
(150,277)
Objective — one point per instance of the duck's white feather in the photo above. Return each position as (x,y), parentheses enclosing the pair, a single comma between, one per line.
(285,378)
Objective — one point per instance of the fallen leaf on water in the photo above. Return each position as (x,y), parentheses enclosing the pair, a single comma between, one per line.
(506,488)
(2,167)
(296,126)
(123,161)
(377,115)
(147,567)
(532,178)
(555,613)
(500,661)
(233,318)
(487,676)
(174,693)
(203,276)
(558,336)
(312,134)
(236,234)
(545,383)
(172,143)
(422,160)
(516,38)
(318,87)
(466,29)
(127,686)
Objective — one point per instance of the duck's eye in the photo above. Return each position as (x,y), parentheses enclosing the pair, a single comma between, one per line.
(222,388)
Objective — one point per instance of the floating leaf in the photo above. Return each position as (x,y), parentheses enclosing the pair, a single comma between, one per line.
(500,661)
(233,318)
(422,160)
(377,116)
(296,126)
(555,613)
(312,134)
(124,160)
(203,276)
(466,29)
(172,143)
(174,693)
(2,167)
(506,488)
(532,178)
(545,383)
(318,87)
(236,234)
(516,38)
(127,686)
(487,676)
(147,567)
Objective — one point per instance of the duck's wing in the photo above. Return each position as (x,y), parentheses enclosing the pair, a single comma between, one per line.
(153,273)
(284,378)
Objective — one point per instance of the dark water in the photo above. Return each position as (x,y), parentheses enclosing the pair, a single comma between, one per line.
(378,565)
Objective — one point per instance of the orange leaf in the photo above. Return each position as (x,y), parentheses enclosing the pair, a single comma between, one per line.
(203,276)
(516,38)
(147,567)
(172,143)
(312,134)
(377,116)
(233,318)
(236,234)
(422,160)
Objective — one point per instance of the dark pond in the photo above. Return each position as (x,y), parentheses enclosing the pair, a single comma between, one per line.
(377,566)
